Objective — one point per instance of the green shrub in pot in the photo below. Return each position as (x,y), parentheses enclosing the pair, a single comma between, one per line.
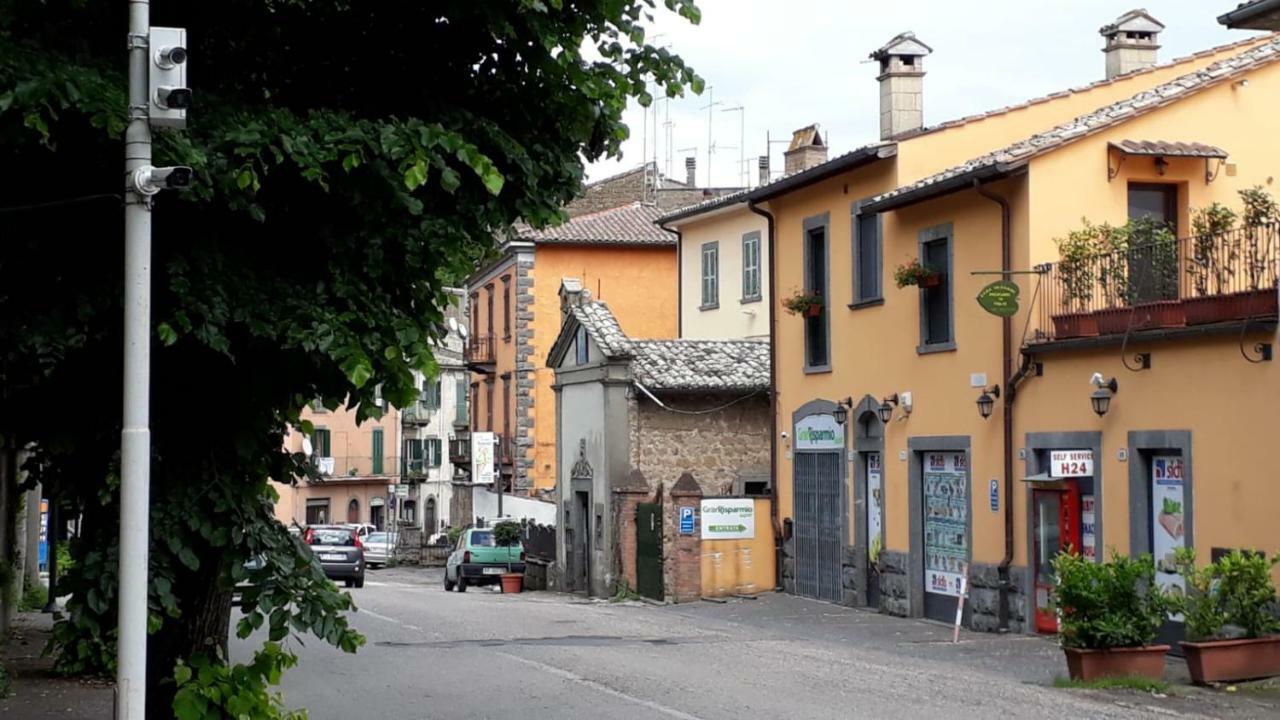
(1115,604)
(1233,597)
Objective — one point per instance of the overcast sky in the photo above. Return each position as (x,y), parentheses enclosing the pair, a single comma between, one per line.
(790,63)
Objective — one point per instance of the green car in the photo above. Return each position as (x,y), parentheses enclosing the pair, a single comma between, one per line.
(478,559)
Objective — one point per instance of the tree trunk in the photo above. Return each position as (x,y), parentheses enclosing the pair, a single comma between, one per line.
(33,536)
(19,543)
(204,627)
(8,496)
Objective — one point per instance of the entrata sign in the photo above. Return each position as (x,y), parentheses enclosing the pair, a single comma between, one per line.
(1070,463)
(728,519)
(819,432)
(1000,298)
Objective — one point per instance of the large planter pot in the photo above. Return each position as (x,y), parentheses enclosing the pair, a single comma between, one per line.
(1075,325)
(1231,660)
(1163,314)
(1145,662)
(1230,306)
(1113,321)
(512,582)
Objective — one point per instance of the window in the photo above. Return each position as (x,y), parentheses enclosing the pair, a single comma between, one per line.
(413,451)
(506,308)
(816,340)
(353,511)
(475,404)
(429,515)
(751,267)
(867,267)
(936,332)
(317,511)
(506,405)
(488,404)
(474,310)
(582,347)
(488,328)
(1152,267)
(377,451)
(431,393)
(320,446)
(710,275)
(410,512)
(460,402)
(433,448)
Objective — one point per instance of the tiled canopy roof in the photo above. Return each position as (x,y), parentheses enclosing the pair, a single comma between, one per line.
(678,365)
(631,224)
(1169,149)
(1021,152)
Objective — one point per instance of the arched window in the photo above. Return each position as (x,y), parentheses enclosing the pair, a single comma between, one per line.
(429,516)
(410,512)
(353,511)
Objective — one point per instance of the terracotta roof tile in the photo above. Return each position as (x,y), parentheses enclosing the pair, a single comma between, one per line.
(631,224)
(1170,149)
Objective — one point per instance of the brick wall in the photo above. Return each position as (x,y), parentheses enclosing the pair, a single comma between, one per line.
(683,553)
(625,501)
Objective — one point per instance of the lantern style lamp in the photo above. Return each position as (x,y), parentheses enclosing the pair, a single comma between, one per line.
(885,411)
(987,401)
(841,413)
(1101,397)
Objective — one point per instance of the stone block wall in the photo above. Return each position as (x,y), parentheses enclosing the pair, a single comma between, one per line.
(525,373)
(895,585)
(853,575)
(715,448)
(984,598)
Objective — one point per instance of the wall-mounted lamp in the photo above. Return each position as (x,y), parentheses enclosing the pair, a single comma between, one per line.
(1242,82)
(987,401)
(1101,398)
(1161,165)
(841,413)
(885,411)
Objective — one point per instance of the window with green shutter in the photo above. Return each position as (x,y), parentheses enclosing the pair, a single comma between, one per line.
(413,456)
(431,394)
(320,443)
(377,451)
(460,391)
(434,451)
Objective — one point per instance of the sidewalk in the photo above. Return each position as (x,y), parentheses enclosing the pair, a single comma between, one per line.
(35,692)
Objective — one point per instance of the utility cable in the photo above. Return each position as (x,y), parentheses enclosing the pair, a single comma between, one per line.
(708,411)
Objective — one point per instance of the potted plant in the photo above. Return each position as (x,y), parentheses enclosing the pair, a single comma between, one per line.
(1232,630)
(913,273)
(507,534)
(1077,276)
(805,304)
(1109,615)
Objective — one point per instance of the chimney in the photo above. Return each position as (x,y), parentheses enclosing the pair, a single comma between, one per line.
(690,170)
(764,169)
(572,294)
(806,150)
(901,84)
(1131,42)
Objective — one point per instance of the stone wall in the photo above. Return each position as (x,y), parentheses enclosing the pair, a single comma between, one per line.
(716,448)
(611,192)
(984,598)
(524,372)
(895,585)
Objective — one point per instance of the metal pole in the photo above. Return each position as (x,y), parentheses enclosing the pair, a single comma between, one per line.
(135,438)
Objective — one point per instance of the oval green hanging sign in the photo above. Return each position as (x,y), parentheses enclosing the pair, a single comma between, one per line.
(1000,298)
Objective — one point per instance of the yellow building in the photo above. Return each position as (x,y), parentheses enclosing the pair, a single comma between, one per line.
(897,512)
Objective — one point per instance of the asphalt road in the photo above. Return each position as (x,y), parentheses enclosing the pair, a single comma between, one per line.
(438,655)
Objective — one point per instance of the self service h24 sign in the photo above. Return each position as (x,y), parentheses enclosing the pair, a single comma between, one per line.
(728,519)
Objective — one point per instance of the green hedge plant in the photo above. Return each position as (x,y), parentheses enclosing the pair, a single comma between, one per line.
(1232,597)
(1114,604)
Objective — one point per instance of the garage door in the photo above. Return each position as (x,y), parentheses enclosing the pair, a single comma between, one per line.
(818,526)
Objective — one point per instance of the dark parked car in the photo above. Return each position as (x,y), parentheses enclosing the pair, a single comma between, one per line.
(339,551)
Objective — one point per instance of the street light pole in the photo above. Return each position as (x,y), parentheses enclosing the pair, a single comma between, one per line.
(135,438)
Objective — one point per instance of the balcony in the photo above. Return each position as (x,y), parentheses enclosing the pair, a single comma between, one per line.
(460,451)
(461,418)
(418,413)
(419,467)
(355,467)
(1206,280)
(479,353)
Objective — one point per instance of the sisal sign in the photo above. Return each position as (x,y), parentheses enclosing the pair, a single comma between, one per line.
(1000,298)
(819,432)
(1071,463)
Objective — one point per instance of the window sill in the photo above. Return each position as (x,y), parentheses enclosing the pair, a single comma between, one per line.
(713,306)
(816,369)
(873,302)
(948,346)
(751,299)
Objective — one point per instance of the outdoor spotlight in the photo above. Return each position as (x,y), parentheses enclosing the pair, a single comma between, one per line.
(987,401)
(841,413)
(885,411)
(1101,397)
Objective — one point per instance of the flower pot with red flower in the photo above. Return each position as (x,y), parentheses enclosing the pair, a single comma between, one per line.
(913,273)
(804,304)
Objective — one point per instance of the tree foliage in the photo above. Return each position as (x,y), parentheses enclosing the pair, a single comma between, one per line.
(351,160)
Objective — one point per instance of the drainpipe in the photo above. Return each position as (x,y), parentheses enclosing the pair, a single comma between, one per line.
(679,279)
(1006,377)
(773,394)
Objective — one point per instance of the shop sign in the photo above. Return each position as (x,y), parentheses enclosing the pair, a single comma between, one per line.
(1070,463)
(1088,527)
(946,522)
(482,457)
(728,519)
(819,432)
(1000,298)
(1168,509)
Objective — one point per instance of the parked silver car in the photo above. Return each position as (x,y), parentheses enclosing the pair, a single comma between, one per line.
(340,552)
(377,549)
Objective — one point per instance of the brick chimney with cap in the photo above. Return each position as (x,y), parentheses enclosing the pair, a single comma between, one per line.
(901,84)
(1131,42)
(807,149)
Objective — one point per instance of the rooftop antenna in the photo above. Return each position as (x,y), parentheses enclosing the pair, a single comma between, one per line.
(709,107)
(742,145)
(769,142)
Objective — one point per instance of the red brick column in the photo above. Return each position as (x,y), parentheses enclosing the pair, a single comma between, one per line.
(625,501)
(685,550)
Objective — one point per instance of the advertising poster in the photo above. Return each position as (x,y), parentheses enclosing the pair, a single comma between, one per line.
(482,457)
(728,519)
(1168,531)
(1088,529)
(875,507)
(946,522)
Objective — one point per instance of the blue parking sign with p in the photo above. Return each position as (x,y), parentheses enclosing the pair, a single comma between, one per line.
(686,520)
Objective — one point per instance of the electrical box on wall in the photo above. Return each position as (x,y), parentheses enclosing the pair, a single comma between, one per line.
(168,95)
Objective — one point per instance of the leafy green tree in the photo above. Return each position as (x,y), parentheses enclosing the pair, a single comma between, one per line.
(351,159)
